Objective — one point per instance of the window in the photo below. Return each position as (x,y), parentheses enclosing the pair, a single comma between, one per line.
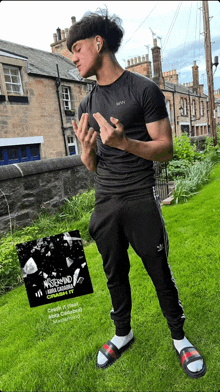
(194,107)
(218,111)
(185,129)
(181,107)
(71,140)
(185,109)
(66,98)
(20,153)
(12,80)
(202,109)
(169,111)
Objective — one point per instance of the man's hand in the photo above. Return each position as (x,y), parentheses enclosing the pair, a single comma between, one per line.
(113,137)
(87,137)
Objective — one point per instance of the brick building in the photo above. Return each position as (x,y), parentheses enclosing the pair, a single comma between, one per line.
(35,113)
(187,104)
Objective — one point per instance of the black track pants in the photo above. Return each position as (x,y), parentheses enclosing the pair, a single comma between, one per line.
(118,221)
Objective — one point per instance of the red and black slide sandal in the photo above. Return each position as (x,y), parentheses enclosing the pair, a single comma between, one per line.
(188,355)
(112,353)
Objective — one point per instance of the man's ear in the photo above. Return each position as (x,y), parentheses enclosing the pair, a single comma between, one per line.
(99,41)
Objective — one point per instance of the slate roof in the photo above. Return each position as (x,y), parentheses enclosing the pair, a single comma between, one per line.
(43,63)
(179,88)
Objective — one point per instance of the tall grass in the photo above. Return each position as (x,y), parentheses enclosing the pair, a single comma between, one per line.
(39,356)
(197,175)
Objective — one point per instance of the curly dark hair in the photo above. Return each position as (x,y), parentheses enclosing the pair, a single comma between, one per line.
(98,23)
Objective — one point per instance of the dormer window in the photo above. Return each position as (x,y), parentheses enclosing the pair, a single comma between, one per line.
(13,80)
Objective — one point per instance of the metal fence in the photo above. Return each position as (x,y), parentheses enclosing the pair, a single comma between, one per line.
(161,178)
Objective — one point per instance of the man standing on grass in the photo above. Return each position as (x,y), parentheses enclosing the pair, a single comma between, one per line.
(123,127)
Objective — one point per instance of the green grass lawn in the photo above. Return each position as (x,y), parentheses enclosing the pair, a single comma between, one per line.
(38,355)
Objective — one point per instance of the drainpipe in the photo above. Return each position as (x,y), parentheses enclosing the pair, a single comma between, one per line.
(174,111)
(57,83)
(190,117)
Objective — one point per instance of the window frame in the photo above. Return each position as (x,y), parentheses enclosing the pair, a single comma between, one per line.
(185,107)
(194,107)
(72,143)
(66,100)
(13,92)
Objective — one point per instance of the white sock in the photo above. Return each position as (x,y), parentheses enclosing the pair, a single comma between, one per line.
(179,345)
(118,341)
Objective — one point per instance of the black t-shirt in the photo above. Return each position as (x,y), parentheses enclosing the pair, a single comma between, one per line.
(134,100)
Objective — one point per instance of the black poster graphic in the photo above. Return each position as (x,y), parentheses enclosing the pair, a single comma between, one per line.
(54,268)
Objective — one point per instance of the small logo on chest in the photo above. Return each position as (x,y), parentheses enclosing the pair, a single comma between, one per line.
(120,103)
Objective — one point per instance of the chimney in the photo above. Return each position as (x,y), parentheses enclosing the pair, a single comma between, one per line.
(66,32)
(195,74)
(55,37)
(148,67)
(58,34)
(59,45)
(73,18)
(156,55)
(171,76)
(62,34)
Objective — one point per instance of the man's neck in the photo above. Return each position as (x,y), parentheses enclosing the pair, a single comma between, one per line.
(109,71)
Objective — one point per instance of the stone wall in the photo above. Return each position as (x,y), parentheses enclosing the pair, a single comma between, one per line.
(28,188)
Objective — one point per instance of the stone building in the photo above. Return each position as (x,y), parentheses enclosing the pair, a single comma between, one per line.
(37,107)
(187,104)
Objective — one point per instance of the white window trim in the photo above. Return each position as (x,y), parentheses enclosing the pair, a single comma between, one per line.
(185,106)
(16,141)
(74,143)
(66,100)
(194,107)
(11,83)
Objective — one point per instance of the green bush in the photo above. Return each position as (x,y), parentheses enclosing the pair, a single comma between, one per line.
(186,154)
(183,149)
(177,169)
(197,176)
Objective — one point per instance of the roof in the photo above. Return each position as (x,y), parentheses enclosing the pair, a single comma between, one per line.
(179,88)
(42,63)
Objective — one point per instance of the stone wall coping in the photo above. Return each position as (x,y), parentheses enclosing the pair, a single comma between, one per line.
(24,169)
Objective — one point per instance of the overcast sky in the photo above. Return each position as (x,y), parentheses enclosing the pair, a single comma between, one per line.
(33,23)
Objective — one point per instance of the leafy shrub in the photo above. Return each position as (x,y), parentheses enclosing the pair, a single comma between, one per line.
(197,176)
(177,169)
(183,149)
(186,154)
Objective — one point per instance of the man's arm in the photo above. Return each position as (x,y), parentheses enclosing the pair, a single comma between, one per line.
(160,148)
(87,138)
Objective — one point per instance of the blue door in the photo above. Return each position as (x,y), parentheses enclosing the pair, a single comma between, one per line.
(16,154)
